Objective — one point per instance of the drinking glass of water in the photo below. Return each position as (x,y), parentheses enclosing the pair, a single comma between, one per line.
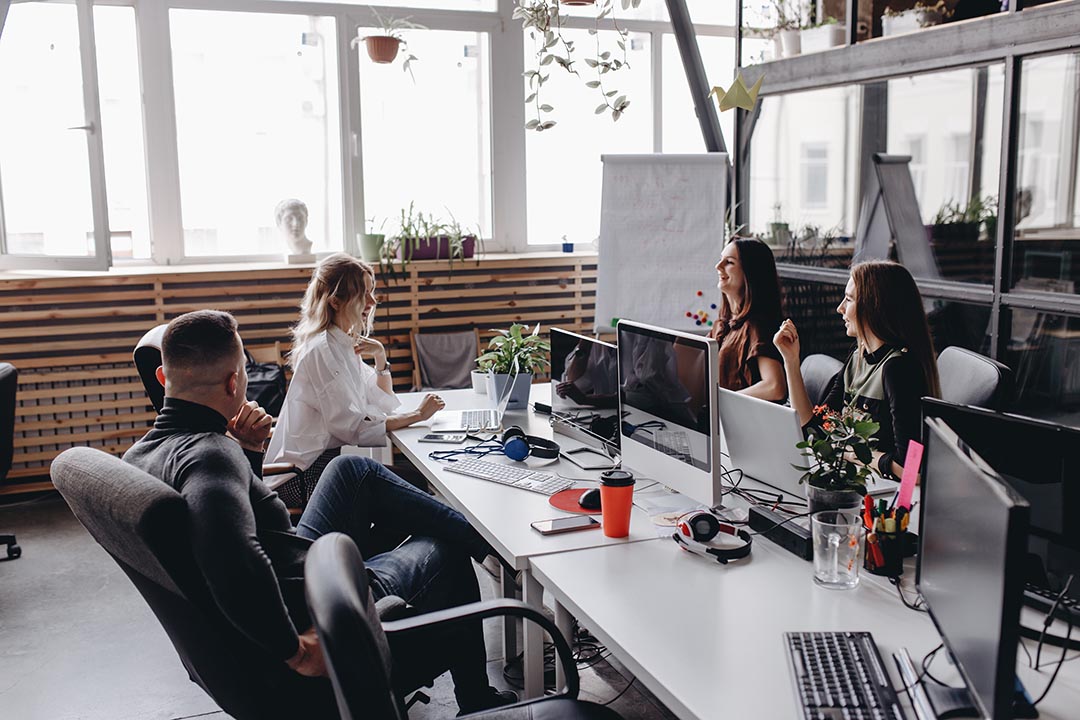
(838,548)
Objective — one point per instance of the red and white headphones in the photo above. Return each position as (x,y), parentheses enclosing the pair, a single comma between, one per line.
(697,528)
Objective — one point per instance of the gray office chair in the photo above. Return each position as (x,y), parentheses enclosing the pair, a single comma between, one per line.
(817,371)
(444,361)
(143,524)
(968,378)
(357,643)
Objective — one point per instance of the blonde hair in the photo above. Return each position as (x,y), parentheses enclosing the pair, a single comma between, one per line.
(341,277)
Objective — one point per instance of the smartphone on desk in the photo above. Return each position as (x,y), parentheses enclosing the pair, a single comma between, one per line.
(565,524)
(453,438)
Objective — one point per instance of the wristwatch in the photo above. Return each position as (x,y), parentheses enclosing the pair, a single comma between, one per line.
(385,370)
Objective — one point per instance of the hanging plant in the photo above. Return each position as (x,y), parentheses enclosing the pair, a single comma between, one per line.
(543,19)
(383,47)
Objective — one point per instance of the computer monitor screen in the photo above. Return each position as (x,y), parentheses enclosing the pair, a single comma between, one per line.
(1039,460)
(667,401)
(973,528)
(585,388)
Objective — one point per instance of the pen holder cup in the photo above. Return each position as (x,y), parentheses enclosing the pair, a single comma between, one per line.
(885,552)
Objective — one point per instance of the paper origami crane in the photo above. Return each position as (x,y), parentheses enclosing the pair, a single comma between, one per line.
(738,96)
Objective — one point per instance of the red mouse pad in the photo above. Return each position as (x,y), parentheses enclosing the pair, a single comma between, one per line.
(568,500)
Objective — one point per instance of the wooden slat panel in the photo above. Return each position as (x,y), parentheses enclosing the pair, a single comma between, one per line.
(65,335)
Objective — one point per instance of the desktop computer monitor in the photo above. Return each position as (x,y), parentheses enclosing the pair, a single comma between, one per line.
(667,403)
(1039,460)
(585,390)
(973,533)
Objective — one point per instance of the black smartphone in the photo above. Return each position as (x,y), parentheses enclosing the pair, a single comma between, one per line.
(564,524)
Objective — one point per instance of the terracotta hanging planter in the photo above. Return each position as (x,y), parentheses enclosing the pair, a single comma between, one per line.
(382,48)
(578,3)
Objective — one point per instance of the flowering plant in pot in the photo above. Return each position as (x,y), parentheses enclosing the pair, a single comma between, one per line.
(383,46)
(514,355)
(423,236)
(923,15)
(839,451)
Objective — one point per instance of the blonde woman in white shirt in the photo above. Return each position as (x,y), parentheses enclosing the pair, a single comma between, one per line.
(335,398)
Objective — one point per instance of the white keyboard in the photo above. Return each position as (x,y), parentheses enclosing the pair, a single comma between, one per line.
(524,478)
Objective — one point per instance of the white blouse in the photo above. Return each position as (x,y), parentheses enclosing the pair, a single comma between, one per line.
(333,400)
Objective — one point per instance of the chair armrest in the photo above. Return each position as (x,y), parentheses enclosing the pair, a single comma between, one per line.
(494,608)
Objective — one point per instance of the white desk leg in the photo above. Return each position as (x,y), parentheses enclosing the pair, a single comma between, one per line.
(564,621)
(510,625)
(534,638)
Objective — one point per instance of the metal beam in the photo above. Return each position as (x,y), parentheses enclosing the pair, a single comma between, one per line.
(978,41)
(686,39)
(1007,183)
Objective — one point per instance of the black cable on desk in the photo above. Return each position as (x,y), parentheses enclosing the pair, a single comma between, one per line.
(1061,661)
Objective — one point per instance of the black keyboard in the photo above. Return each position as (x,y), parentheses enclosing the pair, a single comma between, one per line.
(1042,599)
(840,676)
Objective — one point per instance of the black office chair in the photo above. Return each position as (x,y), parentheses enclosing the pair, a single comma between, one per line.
(143,524)
(356,643)
(9,380)
(968,378)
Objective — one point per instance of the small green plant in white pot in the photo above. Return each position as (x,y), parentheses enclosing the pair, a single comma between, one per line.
(514,355)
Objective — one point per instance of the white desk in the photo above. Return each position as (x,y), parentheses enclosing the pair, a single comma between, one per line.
(503,514)
(707,639)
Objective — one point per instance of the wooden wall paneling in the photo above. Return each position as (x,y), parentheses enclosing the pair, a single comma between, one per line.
(71,337)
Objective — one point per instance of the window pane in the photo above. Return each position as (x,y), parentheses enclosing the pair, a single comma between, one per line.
(490,5)
(563,164)
(954,162)
(1046,251)
(682,134)
(702,12)
(803,176)
(44,166)
(257,122)
(122,131)
(428,141)
(1044,354)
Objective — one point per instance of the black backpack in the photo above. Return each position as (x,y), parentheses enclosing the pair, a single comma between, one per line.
(266,384)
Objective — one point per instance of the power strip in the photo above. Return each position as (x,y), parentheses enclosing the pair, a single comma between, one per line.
(783,531)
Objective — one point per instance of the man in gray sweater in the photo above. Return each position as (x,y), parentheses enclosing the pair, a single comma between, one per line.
(207,443)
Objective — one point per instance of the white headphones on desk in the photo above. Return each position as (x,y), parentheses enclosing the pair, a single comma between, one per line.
(697,528)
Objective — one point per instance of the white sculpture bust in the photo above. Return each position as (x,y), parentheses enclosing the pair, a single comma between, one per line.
(291,217)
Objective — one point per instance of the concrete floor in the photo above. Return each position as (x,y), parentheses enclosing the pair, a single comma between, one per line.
(77,642)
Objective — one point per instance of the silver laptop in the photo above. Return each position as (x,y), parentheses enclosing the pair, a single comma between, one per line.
(761,438)
(484,420)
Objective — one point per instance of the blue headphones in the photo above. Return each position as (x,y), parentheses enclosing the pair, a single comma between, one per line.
(516,445)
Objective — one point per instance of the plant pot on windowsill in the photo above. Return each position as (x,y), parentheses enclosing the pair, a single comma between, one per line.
(434,248)
(820,498)
(371,247)
(789,40)
(909,21)
(822,37)
(382,49)
(519,393)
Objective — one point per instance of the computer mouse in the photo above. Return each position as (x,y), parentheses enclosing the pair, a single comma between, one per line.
(590,499)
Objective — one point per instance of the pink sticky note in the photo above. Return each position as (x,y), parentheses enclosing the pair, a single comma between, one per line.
(911,473)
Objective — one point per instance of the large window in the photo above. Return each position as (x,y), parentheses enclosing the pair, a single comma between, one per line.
(1046,249)
(681,131)
(803,174)
(563,164)
(427,133)
(257,122)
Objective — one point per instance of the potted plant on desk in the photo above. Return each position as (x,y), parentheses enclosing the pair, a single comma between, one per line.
(838,448)
(514,356)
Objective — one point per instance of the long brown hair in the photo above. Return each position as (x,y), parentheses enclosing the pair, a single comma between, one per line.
(338,276)
(888,304)
(761,294)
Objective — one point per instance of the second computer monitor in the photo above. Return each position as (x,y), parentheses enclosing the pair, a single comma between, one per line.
(667,401)
(973,532)
(585,389)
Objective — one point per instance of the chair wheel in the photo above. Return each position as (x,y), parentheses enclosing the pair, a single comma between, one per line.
(14,551)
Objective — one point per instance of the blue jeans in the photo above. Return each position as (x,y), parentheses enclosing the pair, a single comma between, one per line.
(430,571)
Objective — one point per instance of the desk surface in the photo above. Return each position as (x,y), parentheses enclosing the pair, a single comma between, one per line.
(503,514)
(707,639)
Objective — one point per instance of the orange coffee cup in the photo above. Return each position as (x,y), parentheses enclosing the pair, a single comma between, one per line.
(616,499)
